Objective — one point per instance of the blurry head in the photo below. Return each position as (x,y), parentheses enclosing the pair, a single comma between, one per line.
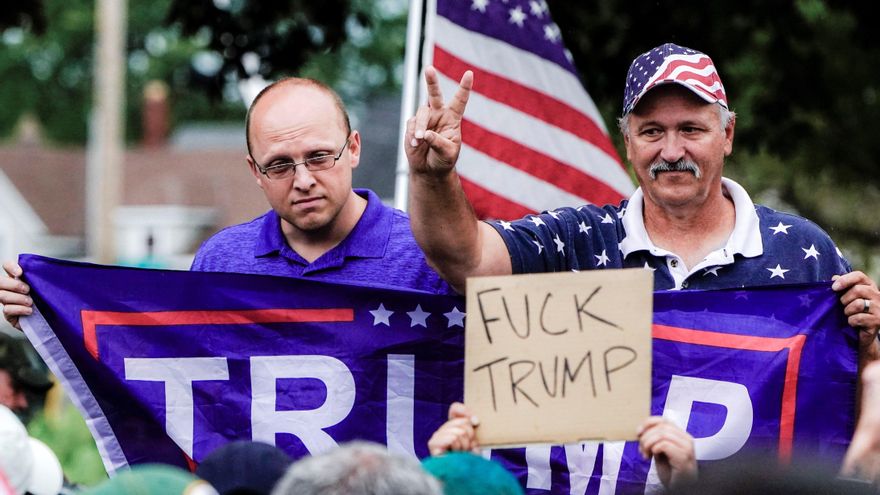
(290,122)
(22,375)
(357,468)
(463,473)
(152,479)
(244,468)
(27,463)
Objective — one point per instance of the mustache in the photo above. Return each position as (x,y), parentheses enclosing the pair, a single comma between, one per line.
(683,165)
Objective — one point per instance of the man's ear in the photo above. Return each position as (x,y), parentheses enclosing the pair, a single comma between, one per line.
(728,135)
(354,149)
(254,170)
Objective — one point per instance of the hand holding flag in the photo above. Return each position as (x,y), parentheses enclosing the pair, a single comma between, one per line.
(434,133)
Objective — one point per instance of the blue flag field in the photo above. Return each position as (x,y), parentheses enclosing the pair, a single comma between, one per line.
(167,365)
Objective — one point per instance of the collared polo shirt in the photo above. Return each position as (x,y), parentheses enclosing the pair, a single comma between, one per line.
(766,247)
(380,251)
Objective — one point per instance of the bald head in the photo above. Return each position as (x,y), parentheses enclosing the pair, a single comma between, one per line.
(293,84)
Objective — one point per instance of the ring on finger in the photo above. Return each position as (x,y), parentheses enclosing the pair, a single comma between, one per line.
(866,305)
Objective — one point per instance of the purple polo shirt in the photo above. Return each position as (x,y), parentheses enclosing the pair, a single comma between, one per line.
(380,251)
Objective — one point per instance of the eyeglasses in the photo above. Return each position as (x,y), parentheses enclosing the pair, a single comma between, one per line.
(312,164)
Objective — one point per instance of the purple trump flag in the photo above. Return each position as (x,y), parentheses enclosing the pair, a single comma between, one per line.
(166,366)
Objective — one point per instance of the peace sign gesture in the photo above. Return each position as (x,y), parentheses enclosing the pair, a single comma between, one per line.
(433,135)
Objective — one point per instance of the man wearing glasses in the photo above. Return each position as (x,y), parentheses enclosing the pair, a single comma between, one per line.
(302,152)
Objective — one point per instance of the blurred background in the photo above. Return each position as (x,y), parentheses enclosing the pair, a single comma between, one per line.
(801,75)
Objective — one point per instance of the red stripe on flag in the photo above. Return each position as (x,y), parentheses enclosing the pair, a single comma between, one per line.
(91,319)
(538,164)
(527,100)
(490,205)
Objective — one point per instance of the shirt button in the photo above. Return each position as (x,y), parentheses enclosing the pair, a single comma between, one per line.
(673,263)
(684,285)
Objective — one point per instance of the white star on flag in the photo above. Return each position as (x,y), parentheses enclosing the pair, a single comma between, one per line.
(583,227)
(649,267)
(806,300)
(455,317)
(537,221)
(540,246)
(713,271)
(418,317)
(517,16)
(551,33)
(778,271)
(554,214)
(538,8)
(602,259)
(506,225)
(559,244)
(607,218)
(780,228)
(811,253)
(381,315)
(480,5)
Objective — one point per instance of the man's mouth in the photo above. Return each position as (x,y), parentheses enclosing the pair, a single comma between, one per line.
(683,165)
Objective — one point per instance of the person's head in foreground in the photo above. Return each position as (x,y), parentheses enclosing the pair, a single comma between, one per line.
(357,468)
(27,464)
(152,479)
(464,473)
(244,468)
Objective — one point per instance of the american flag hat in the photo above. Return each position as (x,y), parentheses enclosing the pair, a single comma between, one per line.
(671,63)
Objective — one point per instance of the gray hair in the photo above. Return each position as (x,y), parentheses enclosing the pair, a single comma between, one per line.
(357,468)
(724,114)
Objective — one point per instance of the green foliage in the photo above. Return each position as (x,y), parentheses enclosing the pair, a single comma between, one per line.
(69,437)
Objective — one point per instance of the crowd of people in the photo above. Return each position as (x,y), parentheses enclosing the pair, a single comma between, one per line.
(683,222)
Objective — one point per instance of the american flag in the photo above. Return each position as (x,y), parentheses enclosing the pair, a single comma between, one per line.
(533,139)
(673,63)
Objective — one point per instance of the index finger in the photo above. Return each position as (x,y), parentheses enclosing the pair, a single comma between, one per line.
(850,279)
(435,96)
(12,269)
(463,93)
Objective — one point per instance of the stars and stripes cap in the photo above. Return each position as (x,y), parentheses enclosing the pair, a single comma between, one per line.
(673,64)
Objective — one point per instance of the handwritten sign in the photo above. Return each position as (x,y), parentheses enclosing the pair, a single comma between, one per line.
(559,357)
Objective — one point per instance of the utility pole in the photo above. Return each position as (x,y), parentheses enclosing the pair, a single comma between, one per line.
(107,129)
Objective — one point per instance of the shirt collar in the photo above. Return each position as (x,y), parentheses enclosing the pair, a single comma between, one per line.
(368,239)
(744,240)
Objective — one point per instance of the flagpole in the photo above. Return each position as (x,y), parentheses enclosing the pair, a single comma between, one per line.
(410,94)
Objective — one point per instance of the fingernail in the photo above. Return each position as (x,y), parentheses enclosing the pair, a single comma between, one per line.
(420,134)
(475,421)
(414,143)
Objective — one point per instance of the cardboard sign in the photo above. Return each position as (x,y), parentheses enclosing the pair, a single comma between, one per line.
(559,357)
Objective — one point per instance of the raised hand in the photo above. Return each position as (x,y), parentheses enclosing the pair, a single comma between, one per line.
(672,449)
(433,135)
(14,294)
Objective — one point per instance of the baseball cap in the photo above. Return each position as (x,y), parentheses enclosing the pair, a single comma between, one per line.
(244,467)
(29,465)
(673,64)
(21,361)
(152,479)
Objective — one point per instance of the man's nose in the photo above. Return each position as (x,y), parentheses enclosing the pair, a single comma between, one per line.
(303,179)
(673,148)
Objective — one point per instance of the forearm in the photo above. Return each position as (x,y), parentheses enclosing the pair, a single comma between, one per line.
(445,226)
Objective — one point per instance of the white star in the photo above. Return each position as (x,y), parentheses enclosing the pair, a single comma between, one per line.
(538,8)
(559,244)
(583,227)
(455,317)
(381,315)
(811,253)
(607,218)
(649,267)
(480,5)
(551,33)
(780,228)
(778,271)
(540,246)
(601,260)
(418,317)
(537,221)
(517,16)
(554,214)
(505,225)
(713,271)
